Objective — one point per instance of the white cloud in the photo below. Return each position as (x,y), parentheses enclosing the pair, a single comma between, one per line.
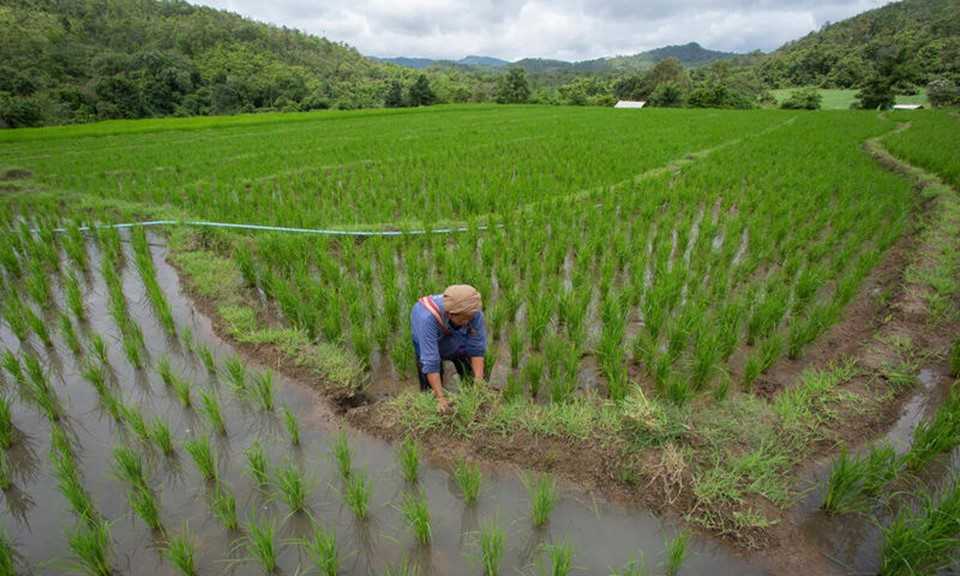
(564,29)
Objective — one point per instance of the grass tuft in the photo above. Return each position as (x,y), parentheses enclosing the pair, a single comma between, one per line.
(180,551)
(468,478)
(357,494)
(203,457)
(322,551)
(492,540)
(409,457)
(417,514)
(543,497)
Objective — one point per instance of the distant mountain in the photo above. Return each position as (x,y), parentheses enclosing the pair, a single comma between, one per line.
(691,54)
(469,61)
(487,61)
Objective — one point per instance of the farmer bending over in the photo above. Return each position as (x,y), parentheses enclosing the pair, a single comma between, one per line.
(448,327)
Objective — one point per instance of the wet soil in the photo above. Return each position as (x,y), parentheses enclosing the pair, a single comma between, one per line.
(604,535)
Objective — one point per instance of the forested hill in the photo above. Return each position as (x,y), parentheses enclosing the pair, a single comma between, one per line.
(74,60)
(913,40)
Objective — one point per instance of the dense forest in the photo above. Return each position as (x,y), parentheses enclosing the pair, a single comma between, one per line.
(67,61)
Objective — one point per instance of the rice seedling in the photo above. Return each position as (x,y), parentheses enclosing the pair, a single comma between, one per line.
(923,541)
(210,406)
(514,388)
(41,393)
(292,487)
(8,556)
(632,568)
(257,464)
(516,342)
(342,455)
(206,357)
(71,486)
(180,552)
(160,433)
(70,335)
(357,494)
(263,388)
(261,545)
(203,457)
(134,421)
(74,297)
(404,569)
(38,326)
(408,455)
(468,478)
(181,388)
(7,429)
(292,425)
(533,374)
(237,375)
(128,466)
(223,504)
(165,371)
(492,541)
(561,559)
(417,514)
(12,365)
(676,553)
(100,349)
(14,313)
(322,551)
(936,436)
(90,546)
(144,504)
(543,497)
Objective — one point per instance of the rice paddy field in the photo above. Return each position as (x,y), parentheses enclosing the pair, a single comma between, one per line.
(718,342)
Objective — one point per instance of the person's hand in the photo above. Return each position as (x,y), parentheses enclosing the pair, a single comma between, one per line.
(443,406)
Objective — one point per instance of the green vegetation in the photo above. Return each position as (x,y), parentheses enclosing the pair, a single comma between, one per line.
(415,511)
(261,545)
(543,496)
(224,507)
(357,492)
(257,464)
(492,540)
(676,553)
(342,455)
(292,425)
(180,552)
(322,551)
(468,478)
(203,457)
(91,550)
(292,487)
(408,455)
(922,541)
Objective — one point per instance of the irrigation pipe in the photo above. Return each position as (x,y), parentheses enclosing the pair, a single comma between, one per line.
(317,231)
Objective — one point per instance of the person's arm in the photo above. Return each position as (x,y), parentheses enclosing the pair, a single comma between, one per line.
(477,345)
(476,363)
(430,361)
(433,378)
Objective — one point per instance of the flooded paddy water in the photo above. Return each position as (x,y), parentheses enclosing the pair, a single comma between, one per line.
(37,518)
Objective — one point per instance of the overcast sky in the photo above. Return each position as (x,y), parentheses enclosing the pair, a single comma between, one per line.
(564,29)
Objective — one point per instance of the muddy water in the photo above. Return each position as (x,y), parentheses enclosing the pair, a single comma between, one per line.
(36,516)
(852,542)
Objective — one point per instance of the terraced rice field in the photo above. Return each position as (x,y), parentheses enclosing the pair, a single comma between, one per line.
(682,309)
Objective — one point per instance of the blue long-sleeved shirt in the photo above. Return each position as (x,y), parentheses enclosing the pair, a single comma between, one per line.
(432,345)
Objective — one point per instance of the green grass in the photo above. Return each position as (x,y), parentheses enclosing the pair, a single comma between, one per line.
(90,547)
(180,552)
(292,487)
(492,541)
(922,541)
(542,492)
(128,466)
(408,455)
(321,549)
(468,478)
(561,559)
(144,504)
(292,425)
(210,405)
(676,553)
(7,430)
(261,545)
(342,455)
(203,457)
(357,493)
(257,465)
(224,506)
(417,514)
(162,437)
(936,436)
(8,555)
(263,389)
